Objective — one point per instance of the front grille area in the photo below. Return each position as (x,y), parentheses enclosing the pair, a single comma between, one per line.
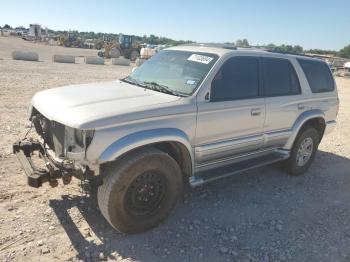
(52,133)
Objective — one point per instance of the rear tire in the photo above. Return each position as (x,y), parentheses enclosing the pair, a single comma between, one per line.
(140,190)
(115,53)
(303,151)
(134,55)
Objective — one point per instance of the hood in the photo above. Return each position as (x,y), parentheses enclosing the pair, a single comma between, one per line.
(87,105)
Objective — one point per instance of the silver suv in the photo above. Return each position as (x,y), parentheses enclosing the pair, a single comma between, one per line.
(191,114)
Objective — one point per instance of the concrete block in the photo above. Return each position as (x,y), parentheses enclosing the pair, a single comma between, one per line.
(25,55)
(94,60)
(64,59)
(121,61)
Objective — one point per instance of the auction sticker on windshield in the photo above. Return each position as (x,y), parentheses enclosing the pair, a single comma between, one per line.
(200,59)
(191,82)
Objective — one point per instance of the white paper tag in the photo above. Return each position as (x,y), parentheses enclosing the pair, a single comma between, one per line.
(200,59)
(191,82)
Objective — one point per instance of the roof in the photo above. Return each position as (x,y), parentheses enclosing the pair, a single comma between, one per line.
(220,51)
(223,49)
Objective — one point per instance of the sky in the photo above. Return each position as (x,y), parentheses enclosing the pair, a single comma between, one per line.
(323,24)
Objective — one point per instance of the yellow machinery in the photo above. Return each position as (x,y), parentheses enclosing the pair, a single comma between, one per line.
(125,46)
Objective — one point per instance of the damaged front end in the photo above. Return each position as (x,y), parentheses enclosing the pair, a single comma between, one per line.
(36,176)
(62,149)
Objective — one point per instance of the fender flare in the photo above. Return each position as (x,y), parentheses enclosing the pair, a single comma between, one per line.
(301,120)
(144,138)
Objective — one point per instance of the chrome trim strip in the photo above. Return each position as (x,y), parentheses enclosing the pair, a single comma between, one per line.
(227,143)
(276,138)
(223,149)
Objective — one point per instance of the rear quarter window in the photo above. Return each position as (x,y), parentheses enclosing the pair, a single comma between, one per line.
(318,75)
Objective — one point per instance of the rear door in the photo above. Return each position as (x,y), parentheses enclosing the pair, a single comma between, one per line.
(282,92)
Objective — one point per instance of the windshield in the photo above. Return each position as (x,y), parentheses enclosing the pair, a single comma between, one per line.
(173,72)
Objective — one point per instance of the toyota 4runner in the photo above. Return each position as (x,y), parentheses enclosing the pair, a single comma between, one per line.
(190,114)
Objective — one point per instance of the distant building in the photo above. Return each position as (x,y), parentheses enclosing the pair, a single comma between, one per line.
(34,30)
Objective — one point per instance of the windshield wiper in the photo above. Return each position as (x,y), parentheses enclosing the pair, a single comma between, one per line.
(152,85)
(133,81)
(162,88)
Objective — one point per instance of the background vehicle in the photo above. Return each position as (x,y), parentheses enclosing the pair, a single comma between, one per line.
(192,114)
(126,46)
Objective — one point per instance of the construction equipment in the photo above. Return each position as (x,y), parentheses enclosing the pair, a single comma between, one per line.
(125,46)
(70,40)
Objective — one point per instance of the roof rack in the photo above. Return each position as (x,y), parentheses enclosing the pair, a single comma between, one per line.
(288,53)
(215,45)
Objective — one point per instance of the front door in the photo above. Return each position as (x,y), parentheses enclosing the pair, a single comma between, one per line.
(230,122)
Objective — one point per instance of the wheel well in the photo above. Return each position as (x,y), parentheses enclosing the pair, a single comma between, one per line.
(175,149)
(180,153)
(318,123)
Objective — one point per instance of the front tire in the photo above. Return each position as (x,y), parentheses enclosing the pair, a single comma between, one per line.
(140,190)
(303,151)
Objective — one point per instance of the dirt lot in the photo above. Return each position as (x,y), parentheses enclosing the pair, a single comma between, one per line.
(262,215)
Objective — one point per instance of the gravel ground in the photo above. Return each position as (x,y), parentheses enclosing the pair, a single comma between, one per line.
(261,215)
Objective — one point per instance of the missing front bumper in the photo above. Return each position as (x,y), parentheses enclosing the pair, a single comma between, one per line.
(36,176)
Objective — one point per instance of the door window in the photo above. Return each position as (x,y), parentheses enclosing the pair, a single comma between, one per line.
(238,78)
(279,77)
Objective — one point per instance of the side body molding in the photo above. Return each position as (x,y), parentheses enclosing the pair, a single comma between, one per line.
(143,138)
(305,116)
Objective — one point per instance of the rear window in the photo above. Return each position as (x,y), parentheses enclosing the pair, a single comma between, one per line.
(318,75)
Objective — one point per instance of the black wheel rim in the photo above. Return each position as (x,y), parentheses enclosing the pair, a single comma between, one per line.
(145,193)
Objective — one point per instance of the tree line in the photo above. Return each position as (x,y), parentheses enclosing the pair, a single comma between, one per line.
(295,49)
(78,38)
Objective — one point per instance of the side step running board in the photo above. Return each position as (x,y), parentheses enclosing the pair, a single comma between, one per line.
(210,175)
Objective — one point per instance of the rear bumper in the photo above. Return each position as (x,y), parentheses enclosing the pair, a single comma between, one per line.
(330,126)
(36,176)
